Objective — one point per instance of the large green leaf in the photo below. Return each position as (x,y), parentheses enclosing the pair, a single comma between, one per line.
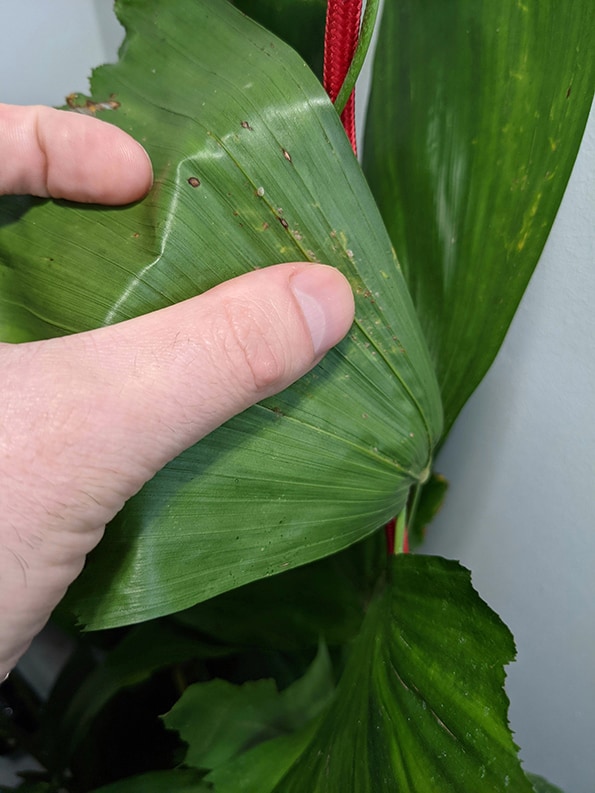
(476,114)
(420,707)
(218,100)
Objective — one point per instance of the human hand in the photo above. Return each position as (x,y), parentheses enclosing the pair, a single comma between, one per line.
(87,419)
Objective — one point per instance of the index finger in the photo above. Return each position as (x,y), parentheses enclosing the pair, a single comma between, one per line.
(60,154)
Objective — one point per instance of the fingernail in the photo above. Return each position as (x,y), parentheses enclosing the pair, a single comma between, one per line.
(326,301)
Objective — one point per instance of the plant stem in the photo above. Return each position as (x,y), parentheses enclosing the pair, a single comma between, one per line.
(363,45)
(401,531)
(341,36)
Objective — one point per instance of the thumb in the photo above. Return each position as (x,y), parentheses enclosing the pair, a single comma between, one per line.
(89,418)
(110,407)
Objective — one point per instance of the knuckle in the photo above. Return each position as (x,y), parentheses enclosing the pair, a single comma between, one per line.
(252,346)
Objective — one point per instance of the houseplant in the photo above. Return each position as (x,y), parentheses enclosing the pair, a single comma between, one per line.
(371,299)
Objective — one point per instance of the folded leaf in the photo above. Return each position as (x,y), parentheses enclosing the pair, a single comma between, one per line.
(252,168)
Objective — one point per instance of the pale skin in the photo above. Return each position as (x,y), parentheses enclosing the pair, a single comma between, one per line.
(87,419)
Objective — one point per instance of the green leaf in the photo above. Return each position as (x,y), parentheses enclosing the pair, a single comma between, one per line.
(178,780)
(420,707)
(475,118)
(300,23)
(220,101)
(431,498)
(219,721)
(541,785)
(325,599)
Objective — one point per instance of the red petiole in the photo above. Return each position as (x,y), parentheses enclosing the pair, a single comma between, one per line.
(340,42)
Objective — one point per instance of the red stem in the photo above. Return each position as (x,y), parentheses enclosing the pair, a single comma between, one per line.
(340,41)
(389,531)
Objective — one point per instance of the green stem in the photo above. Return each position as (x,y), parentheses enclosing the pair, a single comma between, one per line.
(400,530)
(406,518)
(363,45)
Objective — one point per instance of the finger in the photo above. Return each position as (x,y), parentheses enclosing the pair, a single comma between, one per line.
(60,154)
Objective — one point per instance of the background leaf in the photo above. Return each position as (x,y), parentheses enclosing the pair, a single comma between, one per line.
(218,720)
(475,118)
(179,780)
(431,499)
(219,101)
(541,785)
(145,650)
(419,708)
(300,23)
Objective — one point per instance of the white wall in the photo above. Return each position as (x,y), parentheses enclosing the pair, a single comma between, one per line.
(48,47)
(521,459)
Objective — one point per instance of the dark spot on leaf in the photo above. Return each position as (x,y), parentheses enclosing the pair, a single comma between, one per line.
(194,182)
(245,125)
(568,92)
(283,222)
(287,155)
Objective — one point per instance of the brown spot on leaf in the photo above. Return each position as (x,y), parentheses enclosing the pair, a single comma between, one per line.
(194,182)
(246,125)
(89,107)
